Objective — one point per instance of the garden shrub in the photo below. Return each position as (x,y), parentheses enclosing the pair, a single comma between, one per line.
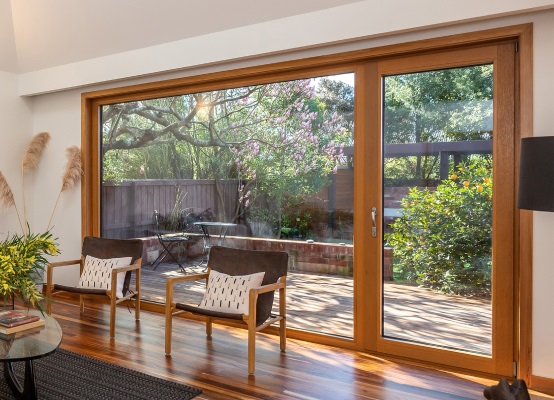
(443,240)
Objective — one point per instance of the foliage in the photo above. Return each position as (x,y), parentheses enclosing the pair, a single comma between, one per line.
(279,140)
(443,238)
(338,97)
(295,225)
(307,220)
(263,221)
(22,262)
(434,106)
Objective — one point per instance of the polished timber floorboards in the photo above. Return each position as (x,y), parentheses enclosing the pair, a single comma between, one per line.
(219,366)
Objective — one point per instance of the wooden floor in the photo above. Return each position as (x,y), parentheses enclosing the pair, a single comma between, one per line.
(218,366)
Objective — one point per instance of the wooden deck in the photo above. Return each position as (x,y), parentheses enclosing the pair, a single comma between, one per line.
(324,304)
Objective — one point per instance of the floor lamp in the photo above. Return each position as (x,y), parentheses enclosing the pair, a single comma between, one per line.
(536,192)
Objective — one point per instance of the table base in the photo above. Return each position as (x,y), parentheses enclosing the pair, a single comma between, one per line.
(26,391)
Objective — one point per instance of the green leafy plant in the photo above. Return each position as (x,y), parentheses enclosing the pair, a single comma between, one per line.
(22,262)
(443,240)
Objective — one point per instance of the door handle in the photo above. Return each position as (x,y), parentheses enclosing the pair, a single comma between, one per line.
(374,222)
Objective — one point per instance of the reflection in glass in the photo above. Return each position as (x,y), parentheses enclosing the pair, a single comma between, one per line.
(437,135)
(274,159)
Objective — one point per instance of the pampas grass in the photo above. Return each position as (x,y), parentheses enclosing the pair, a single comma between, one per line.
(34,151)
(30,160)
(6,196)
(72,174)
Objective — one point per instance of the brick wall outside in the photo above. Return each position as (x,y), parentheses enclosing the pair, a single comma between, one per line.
(324,258)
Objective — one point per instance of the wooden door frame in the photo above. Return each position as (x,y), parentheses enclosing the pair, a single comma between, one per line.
(500,361)
(90,198)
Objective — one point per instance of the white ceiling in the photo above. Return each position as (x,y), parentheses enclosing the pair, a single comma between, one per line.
(38,34)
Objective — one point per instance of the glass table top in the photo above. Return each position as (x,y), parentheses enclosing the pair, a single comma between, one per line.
(32,343)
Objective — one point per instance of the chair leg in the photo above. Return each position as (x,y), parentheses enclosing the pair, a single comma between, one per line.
(82,303)
(168,316)
(209,326)
(283,313)
(137,295)
(48,299)
(112,316)
(283,334)
(168,329)
(167,252)
(49,290)
(251,346)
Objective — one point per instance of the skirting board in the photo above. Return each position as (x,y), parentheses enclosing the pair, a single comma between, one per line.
(543,385)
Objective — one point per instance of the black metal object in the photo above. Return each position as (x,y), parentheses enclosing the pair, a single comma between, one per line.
(536,174)
(168,241)
(29,388)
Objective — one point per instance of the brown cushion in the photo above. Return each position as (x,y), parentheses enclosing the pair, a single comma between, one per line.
(79,290)
(209,313)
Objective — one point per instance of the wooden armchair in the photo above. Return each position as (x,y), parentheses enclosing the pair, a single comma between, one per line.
(257,315)
(104,254)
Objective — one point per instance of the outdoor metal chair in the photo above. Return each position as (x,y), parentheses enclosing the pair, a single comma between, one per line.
(99,258)
(257,302)
(169,240)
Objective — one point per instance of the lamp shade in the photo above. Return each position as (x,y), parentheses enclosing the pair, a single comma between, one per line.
(536,174)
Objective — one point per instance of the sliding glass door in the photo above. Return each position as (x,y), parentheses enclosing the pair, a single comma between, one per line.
(426,192)
(441,251)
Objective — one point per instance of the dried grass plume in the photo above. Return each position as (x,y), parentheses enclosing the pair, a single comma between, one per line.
(6,196)
(72,174)
(30,160)
(73,168)
(34,151)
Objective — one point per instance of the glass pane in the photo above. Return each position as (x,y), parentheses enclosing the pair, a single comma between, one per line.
(437,213)
(257,167)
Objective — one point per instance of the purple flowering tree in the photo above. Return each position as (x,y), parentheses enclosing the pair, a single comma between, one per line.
(278,140)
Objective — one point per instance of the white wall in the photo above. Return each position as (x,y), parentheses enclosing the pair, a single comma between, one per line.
(16,118)
(543,222)
(60,114)
(361,19)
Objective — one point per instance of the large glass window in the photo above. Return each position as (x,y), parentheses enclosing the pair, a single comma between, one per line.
(438,132)
(269,166)
(233,160)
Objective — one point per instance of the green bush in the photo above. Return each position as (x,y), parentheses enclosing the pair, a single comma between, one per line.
(443,240)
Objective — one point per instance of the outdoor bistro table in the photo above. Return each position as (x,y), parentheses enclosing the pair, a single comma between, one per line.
(205,225)
(28,345)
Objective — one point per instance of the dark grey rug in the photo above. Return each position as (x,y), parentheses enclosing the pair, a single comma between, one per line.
(68,375)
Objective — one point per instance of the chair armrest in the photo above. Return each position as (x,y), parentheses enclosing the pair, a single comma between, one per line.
(131,267)
(63,263)
(170,282)
(50,270)
(254,293)
(172,279)
(269,288)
